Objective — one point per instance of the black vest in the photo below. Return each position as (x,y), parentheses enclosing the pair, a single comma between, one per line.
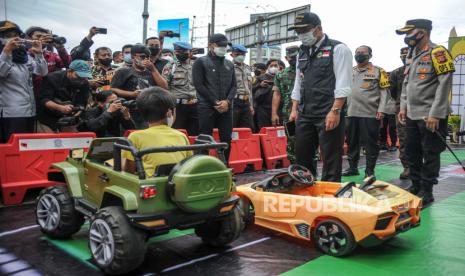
(319,81)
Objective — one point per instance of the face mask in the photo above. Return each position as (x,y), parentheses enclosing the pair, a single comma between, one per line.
(169,121)
(182,57)
(220,51)
(293,61)
(105,61)
(239,59)
(308,39)
(413,40)
(154,50)
(127,58)
(169,59)
(273,70)
(361,58)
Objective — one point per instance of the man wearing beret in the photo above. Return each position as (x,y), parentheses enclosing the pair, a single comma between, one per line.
(323,82)
(243,102)
(424,105)
(215,82)
(181,85)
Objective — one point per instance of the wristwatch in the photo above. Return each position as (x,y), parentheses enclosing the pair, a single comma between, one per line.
(336,110)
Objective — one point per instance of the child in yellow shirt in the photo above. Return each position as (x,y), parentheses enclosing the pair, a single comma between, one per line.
(157,107)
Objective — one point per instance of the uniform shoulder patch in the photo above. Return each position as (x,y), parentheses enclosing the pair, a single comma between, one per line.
(442,60)
(383,79)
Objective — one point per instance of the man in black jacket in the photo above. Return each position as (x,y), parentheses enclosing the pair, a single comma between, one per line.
(215,82)
(109,117)
(63,93)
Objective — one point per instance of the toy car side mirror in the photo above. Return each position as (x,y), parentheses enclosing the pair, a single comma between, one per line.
(76,153)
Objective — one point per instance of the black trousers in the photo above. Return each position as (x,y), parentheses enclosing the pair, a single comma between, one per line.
(389,124)
(262,117)
(424,149)
(242,117)
(9,126)
(187,117)
(366,131)
(209,119)
(309,134)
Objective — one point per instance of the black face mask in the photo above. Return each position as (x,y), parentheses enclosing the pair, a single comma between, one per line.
(154,50)
(293,62)
(404,58)
(361,58)
(105,61)
(413,40)
(257,73)
(182,57)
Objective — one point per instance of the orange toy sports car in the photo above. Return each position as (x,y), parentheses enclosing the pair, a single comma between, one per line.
(335,216)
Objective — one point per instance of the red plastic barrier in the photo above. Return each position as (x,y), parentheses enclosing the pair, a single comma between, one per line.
(245,150)
(25,160)
(274,146)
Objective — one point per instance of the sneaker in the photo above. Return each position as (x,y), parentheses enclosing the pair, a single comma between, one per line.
(350,172)
(405,174)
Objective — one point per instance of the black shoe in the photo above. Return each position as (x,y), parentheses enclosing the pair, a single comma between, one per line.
(383,147)
(350,172)
(414,189)
(392,148)
(405,174)
(426,196)
(367,174)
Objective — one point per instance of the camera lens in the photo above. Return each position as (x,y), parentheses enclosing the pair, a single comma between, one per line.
(59,40)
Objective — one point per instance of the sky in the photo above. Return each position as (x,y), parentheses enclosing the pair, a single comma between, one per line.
(355,22)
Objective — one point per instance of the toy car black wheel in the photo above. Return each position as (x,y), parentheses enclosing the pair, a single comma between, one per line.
(246,210)
(218,233)
(55,213)
(115,246)
(334,238)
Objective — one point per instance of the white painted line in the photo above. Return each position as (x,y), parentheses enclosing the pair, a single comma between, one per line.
(213,255)
(7,233)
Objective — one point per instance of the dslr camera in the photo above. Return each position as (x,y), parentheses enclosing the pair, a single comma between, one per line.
(59,39)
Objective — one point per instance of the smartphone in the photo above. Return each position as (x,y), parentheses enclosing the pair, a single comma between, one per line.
(198,51)
(289,126)
(102,30)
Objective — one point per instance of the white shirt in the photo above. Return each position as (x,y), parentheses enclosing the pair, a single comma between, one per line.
(342,67)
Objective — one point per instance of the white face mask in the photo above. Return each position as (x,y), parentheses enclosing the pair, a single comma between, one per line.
(170,121)
(220,51)
(308,39)
(273,70)
(239,59)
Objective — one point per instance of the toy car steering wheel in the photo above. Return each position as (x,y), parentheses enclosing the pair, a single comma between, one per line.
(301,174)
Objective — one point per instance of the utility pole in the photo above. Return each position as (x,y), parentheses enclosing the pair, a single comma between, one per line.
(213,18)
(145,16)
(4,4)
(260,21)
(192,34)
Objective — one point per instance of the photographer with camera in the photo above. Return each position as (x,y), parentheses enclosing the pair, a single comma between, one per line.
(109,117)
(55,61)
(64,94)
(263,95)
(17,104)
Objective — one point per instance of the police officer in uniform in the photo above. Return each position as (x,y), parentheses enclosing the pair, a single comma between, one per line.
(367,105)
(243,102)
(324,72)
(282,103)
(180,83)
(396,78)
(424,106)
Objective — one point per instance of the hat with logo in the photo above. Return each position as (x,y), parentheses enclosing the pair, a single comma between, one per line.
(81,68)
(415,24)
(306,19)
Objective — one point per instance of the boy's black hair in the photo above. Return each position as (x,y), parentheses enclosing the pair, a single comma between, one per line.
(102,96)
(154,102)
(268,63)
(126,46)
(140,49)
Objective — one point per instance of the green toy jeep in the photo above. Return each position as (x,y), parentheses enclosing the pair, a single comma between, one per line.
(125,209)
